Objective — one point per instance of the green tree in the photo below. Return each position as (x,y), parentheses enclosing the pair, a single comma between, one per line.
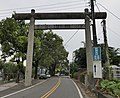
(13,40)
(37,50)
(12,37)
(73,68)
(10,70)
(48,47)
(1,64)
(52,51)
(114,56)
(80,57)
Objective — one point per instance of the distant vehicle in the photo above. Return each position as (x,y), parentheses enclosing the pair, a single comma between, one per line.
(43,74)
(57,74)
(47,74)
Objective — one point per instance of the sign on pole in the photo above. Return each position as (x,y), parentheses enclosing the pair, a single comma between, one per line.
(96,54)
(97,68)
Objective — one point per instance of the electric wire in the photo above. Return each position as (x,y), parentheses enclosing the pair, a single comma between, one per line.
(86,2)
(71,6)
(71,37)
(51,7)
(117,35)
(114,32)
(43,6)
(109,11)
(107,26)
(60,9)
(47,7)
(97,6)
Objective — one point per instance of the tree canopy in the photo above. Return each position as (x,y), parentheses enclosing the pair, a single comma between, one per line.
(52,51)
(80,57)
(48,51)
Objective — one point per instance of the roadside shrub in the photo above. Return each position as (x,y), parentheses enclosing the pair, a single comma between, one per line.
(75,75)
(112,87)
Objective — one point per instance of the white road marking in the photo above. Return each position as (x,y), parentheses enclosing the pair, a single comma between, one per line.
(23,89)
(80,94)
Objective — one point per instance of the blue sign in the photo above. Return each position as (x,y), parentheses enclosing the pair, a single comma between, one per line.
(96,54)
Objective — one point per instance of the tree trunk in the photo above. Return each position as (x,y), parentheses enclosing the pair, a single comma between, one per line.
(50,69)
(54,66)
(53,69)
(18,71)
(18,76)
(36,70)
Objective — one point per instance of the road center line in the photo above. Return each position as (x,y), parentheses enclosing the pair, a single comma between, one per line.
(46,95)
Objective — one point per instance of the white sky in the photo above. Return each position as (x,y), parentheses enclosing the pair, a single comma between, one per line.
(7,7)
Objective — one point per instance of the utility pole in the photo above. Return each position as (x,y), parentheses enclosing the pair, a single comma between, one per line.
(88,49)
(106,48)
(93,25)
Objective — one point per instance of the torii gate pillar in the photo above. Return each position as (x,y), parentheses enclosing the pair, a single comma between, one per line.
(28,70)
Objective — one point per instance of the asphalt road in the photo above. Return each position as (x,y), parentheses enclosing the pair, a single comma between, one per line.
(52,88)
(67,89)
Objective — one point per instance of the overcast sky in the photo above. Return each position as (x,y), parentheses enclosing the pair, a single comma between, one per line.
(113,23)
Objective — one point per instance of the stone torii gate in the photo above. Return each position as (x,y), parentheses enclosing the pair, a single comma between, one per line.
(67,15)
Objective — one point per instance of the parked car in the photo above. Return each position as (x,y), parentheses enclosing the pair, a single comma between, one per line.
(48,75)
(43,74)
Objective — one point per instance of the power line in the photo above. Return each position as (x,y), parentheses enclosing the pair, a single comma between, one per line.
(86,2)
(97,6)
(48,5)
(65,8)
(58,7)
(112,14)
(52,7)
(50,10)
(117,35)
(71,37)
(111,31)
(72,6)
(114,32)
(109,11)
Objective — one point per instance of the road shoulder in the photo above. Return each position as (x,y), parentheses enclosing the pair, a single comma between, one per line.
(18,87)
(85,92)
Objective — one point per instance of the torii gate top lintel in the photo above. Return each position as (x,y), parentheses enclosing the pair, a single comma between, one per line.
(57,15)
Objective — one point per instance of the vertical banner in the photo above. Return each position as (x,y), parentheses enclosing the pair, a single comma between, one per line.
(97,67)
